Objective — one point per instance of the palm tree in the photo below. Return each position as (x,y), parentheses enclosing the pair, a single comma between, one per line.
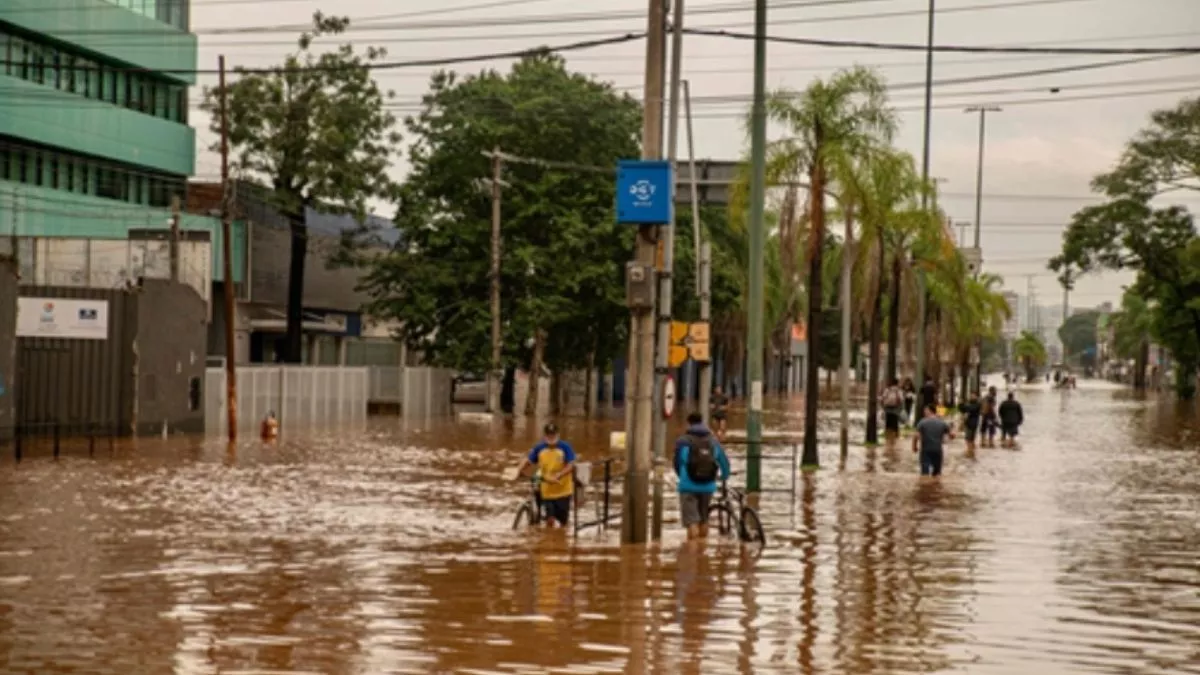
(829,124)
(885,186)
(1031,352)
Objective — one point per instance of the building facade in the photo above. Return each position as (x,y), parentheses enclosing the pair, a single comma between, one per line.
(95,143)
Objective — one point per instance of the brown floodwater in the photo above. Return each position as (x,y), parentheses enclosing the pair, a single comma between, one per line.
(390,550)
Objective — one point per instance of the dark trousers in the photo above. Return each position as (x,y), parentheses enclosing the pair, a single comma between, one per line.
(931,462)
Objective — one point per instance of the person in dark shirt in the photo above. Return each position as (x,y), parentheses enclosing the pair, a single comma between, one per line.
(1012,416)
(719,410)
(972,412)
(931,433)
(929,393)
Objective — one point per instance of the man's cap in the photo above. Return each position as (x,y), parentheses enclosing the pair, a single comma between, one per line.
(551,429)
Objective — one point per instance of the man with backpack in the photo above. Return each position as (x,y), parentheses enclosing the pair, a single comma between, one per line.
(699,462)
(892,400)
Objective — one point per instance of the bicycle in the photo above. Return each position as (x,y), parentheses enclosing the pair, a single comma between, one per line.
(529,513)
(733,515)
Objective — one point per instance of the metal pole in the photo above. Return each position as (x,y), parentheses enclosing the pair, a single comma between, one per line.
(844,370)
(174,243)
(667,234)
(983,111)
(494,373)
(640,408)
(227,264)
(758,180)
(705,317)
(696,236)
(920,374)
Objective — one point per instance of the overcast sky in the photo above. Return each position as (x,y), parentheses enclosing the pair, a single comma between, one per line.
(1039,156)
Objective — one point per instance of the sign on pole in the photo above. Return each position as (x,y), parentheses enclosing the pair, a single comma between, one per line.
(668,397)
(644,192)
(688,340)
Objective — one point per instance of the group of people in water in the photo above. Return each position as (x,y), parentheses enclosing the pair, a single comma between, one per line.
(981,418)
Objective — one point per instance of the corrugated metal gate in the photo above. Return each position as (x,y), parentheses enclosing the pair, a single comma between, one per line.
(74,386)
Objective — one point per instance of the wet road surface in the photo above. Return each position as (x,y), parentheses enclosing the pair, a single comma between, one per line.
(391,551)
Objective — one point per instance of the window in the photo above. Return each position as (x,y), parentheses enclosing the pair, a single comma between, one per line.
(5,54)
(52,160)
(68,169)
(37,169)
(22,166)
(5,158)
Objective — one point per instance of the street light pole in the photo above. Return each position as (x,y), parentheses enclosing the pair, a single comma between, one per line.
(758,194)
(921,309)
(983,111)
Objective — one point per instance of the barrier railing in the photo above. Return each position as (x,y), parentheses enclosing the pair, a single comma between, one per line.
(61,437)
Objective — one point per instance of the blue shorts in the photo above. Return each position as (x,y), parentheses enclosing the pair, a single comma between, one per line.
(558,509)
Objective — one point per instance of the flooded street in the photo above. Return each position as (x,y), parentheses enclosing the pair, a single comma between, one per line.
(392,552)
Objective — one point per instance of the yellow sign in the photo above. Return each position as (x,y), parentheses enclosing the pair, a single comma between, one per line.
(689,340)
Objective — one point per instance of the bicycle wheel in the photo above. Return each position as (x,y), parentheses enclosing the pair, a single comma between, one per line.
(721,517)
(751,529)
(525,516)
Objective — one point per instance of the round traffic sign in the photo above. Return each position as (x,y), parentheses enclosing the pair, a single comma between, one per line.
(668,397)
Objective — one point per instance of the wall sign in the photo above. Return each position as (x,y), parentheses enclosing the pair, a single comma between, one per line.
(69,318)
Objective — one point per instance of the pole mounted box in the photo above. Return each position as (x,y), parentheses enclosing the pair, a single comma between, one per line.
(639,285)
(644,192)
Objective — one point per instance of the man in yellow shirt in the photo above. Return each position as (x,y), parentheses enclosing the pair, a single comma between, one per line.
(555,462)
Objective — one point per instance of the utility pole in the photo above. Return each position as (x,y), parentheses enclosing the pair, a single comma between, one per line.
(983,111)
(921,309)
(494,372)
(174,243)
(758,235)
(227,263)
(662,361)
(640,409)
(703,253)
(844,369)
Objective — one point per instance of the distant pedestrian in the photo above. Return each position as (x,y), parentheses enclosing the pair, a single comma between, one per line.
(554,461)
(931,432)
(910,397)
(269,430)
(1012,416)
(699,463)
(972,411)
(989,419)
(929,393)
(892,400)
(719,406)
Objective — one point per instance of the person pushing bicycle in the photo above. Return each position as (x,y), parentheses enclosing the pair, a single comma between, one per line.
(699,462)
(555,475)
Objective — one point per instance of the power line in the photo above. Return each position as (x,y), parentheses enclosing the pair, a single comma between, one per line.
(962,49)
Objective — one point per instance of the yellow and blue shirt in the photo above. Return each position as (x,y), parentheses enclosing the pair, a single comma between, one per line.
(550,459)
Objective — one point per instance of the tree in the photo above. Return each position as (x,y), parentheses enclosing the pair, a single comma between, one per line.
(828,124)
(562,269)
(316,130)
(1078,334)
(1129,231)
(1030,351)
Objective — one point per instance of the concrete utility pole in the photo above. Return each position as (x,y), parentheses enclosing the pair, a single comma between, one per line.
(227,263)
(921,309)
(174,243)
(662,356)
(640,408)
(983,111)
(495,372)
(703,252)
(758,235)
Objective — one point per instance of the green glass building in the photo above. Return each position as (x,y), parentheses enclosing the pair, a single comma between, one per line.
(95,139)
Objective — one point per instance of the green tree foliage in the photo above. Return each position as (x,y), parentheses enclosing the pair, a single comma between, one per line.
(562,269)
(1029,350)
(316,131)
(1078,334)
(1131,230)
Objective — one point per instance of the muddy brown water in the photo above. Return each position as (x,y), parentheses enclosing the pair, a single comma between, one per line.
(390,551)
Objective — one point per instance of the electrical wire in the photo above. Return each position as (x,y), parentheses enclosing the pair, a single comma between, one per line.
(963,49)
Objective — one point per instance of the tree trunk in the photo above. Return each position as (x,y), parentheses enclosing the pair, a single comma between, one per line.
(508,388)
(846,317)
(589,386)
(874,337)
(1139,365)
(556,393)
(293,351)
(535,371)
(965,365)
(894,317)
(816,247)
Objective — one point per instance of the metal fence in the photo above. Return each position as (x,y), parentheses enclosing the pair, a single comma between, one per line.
(304,397)
(419,391)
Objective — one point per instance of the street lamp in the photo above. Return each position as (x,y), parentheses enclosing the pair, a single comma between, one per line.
(983,111)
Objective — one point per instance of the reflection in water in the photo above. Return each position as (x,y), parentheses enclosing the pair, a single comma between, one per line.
(390,552)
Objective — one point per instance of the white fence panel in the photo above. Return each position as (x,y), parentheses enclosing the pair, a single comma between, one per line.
(302,397)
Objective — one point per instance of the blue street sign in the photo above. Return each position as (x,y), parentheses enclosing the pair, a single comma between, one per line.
(644,192)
